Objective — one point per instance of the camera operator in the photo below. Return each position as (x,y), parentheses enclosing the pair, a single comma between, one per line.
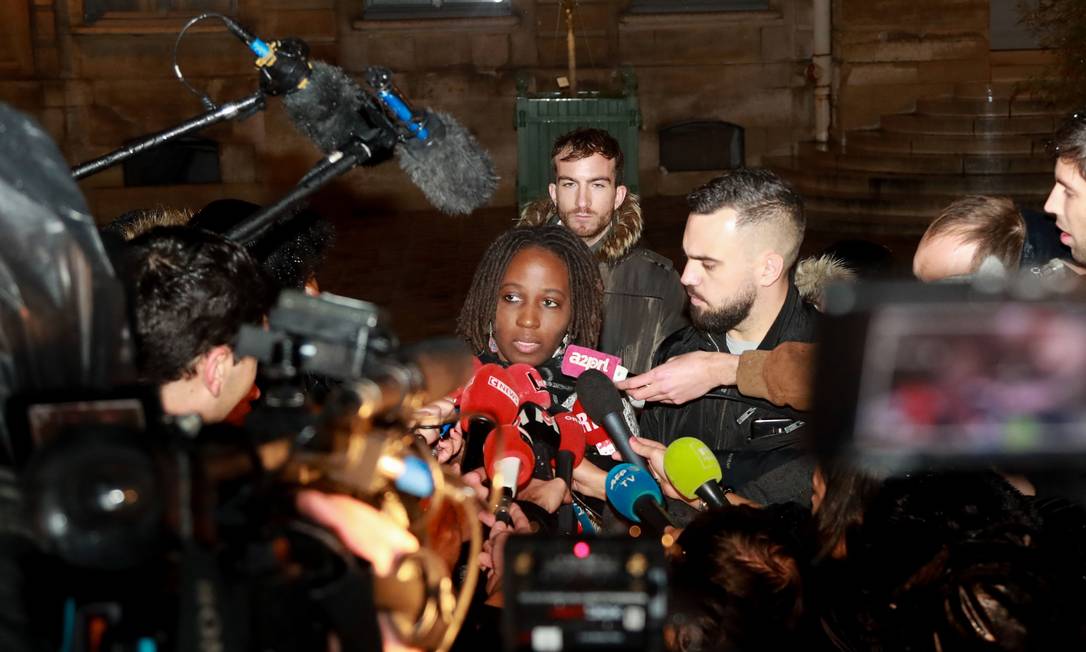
(190,292)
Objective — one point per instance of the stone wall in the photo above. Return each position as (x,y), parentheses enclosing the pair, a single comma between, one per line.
(891,52)
(97,85)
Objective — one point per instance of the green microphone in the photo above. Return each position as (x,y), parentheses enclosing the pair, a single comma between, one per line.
(694,471)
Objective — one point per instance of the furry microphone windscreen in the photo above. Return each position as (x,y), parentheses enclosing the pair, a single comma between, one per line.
(454,172)
(326,110)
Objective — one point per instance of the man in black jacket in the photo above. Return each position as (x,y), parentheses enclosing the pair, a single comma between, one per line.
(643,299)
(741,241)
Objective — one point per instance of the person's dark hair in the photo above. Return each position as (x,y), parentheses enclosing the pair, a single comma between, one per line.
(291,253)
(479,308)
(737,581)
(1069,143)
(760,197)
(190,290)
(951,561)
(584,142)
(848,492)
(994,223)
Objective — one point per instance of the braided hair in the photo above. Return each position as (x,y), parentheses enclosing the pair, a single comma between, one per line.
(585,283)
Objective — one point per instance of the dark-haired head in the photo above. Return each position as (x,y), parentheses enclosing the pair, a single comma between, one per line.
(585,302)
(737,581)
(584,142)
(761,199)
(190,290)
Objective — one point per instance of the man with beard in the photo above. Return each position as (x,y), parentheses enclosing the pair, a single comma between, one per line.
(741,241)
(643,299)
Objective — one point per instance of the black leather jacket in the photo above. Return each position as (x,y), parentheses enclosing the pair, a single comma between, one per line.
(643,304)
(763,460)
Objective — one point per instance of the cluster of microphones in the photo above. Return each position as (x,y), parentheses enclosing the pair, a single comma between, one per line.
(509,430)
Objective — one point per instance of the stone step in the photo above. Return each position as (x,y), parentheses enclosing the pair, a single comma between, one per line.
(996,88)
(982,107)
(964,125)
(881,141)
(813,181)
(836,158)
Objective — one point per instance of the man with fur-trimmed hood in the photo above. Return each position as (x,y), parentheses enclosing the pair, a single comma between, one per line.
(644,300)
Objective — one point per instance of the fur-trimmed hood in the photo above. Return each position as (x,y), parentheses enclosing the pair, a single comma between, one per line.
(626,226)
(815,273)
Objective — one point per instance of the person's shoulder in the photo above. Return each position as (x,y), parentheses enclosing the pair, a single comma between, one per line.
(647,260)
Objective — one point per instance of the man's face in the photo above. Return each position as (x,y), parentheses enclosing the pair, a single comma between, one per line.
(719,275)
(534,307)
(586,195)
(1067,202)
(943,256)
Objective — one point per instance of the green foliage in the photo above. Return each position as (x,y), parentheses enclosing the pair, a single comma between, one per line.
(1060,25)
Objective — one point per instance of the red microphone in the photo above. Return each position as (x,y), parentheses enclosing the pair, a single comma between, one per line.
(529,385)
(487,401)
(509,462)
(570,454)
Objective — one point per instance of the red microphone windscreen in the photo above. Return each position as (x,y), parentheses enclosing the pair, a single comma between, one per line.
(529,384)
(505,441)
(572,434)
(490,394)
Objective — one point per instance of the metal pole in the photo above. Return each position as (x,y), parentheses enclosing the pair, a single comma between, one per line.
(241,109)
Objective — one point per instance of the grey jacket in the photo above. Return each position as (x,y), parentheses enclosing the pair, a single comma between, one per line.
(643,299)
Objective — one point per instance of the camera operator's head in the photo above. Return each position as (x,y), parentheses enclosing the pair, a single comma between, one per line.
(191,291)
(741,241)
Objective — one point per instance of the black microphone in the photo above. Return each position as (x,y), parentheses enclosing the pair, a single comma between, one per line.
(602,402)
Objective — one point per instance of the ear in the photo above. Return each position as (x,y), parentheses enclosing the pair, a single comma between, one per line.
(620,195)
(772,266)
(553,190)
(818,489)
(213,367)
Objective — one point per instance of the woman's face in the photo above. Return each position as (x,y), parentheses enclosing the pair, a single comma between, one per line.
(533,309)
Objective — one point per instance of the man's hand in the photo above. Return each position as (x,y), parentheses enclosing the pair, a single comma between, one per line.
(491,557)
(683,378)
(548,494)
(448,450)
(365,531)
(653,452)
(590,480)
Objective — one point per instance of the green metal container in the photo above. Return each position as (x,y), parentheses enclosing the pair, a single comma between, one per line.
(542,117)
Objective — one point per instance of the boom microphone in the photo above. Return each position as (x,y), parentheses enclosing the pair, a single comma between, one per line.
(452,169)
(694,471)
(601,400)
(636,496)
(439,155)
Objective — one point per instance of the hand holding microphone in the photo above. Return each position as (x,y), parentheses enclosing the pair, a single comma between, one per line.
(695,472)
(635,496)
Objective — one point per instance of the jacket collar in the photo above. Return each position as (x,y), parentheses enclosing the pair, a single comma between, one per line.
(622,237)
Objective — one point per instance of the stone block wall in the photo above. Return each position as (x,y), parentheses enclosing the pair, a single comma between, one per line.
(96,85)
(890,52)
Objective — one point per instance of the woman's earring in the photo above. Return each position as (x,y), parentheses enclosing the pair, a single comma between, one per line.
(493,344)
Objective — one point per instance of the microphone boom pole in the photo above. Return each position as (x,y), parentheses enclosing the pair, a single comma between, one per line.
(241,109)
(256,225)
